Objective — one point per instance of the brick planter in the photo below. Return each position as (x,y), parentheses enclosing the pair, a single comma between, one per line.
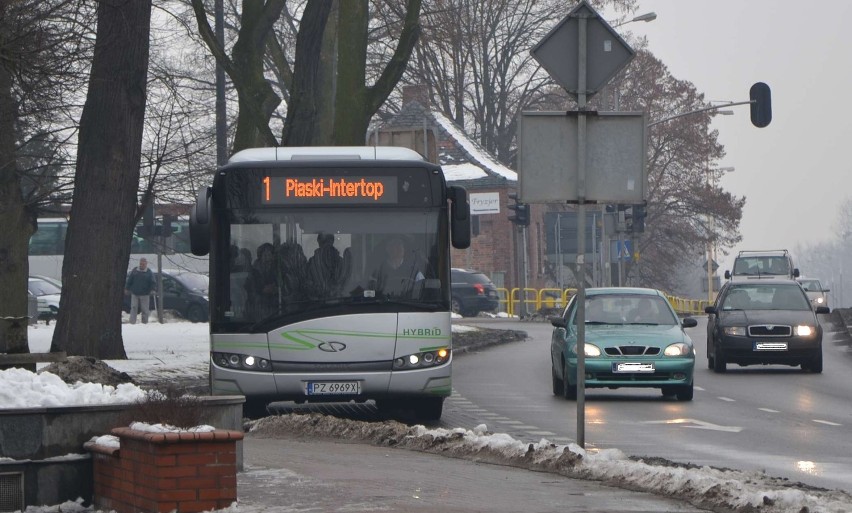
(161,472)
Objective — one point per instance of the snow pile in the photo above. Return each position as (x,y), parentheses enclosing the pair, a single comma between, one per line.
(703,487)
(21,388)
(166,428)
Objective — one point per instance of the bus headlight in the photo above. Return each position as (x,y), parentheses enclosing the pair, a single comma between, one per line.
(241,362)
(422,360)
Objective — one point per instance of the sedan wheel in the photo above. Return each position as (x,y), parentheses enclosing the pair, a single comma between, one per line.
(685,392)
(557,383)
(815,365)
(196,314)
(457,306)
(569,391)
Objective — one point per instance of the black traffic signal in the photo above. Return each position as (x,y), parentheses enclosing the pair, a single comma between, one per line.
(639,214)
(521,216)
(147,228)
(761,104)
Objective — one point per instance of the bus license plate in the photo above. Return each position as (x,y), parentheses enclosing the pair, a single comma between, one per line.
(333,388)
(633,367)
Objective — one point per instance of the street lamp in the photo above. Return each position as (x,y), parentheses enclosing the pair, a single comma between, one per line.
(648,16)
(712,176)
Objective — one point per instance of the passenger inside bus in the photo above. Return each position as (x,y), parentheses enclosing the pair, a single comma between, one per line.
(263,283)
(400,272)
(327,271)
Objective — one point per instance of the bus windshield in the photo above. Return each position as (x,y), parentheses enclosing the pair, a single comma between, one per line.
(303,263)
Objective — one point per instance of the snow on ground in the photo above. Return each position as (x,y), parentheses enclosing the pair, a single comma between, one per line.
(176,348)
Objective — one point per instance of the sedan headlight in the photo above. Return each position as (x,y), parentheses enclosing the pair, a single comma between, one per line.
(735,331)
(804,331)
(679,349)
(591,350)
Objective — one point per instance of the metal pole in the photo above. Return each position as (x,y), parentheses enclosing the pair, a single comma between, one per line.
(581,235)
(221,111)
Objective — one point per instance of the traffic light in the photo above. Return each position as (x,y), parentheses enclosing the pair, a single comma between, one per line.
(628,217)
(522,211)
(639,214)
(147,228)
(761,104)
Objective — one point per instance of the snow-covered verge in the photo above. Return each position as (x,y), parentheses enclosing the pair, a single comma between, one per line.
(703,487)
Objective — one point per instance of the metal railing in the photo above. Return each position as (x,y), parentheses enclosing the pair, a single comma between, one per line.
(536,300)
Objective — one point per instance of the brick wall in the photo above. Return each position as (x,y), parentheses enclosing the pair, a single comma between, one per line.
(162,472)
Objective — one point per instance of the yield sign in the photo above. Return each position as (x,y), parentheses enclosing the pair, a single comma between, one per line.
(606,52)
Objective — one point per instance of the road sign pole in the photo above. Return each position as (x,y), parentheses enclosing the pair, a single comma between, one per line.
(581,233)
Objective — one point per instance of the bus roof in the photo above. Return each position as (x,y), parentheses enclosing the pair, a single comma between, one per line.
(325,153)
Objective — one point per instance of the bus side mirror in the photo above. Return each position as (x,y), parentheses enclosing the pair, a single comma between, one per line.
(199,223)
(460,217)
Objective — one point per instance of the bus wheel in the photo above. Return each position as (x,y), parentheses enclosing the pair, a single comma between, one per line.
(429,408)
(255,408)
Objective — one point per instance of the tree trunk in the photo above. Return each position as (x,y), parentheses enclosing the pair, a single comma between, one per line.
(17,226)
(97,246)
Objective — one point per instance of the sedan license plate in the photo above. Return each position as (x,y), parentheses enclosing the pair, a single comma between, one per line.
(633,367)
(333,388)
(770,346)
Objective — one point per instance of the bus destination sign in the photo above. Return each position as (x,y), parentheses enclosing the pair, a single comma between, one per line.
(328,190)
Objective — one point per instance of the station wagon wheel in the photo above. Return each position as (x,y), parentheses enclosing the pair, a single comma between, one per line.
(720,365)
(814,365)
(569,391)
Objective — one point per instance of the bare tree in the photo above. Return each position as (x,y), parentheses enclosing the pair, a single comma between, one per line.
(42,47)
(104,202)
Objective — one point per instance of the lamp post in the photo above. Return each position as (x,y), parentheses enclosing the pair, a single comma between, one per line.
(648,16)
(712,176)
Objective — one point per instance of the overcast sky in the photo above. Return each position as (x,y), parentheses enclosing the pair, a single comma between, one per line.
(793,173)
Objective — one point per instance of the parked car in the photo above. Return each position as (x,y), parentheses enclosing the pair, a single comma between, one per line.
(472,292)
(815,292)
(47,294)
(633,339)
(183,292)
(767,321)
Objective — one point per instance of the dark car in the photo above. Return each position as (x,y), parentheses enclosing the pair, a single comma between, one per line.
(766,322)
(184,293)
(472,292)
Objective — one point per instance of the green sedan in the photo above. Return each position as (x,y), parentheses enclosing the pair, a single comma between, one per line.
(633,339)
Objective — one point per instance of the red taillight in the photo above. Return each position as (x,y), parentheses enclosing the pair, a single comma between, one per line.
(480,289)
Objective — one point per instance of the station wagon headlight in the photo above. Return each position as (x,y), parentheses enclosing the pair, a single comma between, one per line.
(735,331)
(590,350)
(422,359)
(804,331)
(679,349)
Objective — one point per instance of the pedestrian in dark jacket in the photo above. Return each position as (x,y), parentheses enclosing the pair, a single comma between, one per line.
(140,285)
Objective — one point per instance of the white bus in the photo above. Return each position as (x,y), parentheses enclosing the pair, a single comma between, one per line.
(47,247)
(302,308)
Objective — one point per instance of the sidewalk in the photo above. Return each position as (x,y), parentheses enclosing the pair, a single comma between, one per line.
(297,474)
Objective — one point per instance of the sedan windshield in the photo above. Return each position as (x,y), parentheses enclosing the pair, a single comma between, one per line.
(633,309)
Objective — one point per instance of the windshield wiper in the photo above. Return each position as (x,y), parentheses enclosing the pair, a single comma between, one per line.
(644,323)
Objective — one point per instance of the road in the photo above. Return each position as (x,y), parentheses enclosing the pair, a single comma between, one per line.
(771,418)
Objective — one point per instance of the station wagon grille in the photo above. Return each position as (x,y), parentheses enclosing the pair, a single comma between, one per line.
(631,351)
(769,330)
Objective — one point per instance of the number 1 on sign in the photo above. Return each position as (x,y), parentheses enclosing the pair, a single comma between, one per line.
(266,183)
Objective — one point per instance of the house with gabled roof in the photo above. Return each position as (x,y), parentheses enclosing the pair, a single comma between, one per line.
(499,248)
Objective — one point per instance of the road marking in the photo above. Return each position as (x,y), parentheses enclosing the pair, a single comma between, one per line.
(511,422)
(542,433)
(698,424)
(827,422)
(698,388)
(769,410)
(727,399)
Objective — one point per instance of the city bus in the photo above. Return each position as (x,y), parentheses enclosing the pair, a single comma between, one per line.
(300,308)
(47,249)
